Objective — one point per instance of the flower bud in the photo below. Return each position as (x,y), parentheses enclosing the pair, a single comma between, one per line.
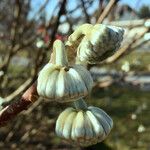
(57,81)
(84,127)
(98,42)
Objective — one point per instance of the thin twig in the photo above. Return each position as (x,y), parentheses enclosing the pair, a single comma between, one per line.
(130,23)
(41,8)
(17,11)
(9,112)
(33,106)
(85,11)
(124,49)
(60,13)
(28,82)
(106,10)
(18,91)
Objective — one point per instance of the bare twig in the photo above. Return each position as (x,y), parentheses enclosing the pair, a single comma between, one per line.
(9,112)
(124,49)
(33,106)
(106,10)
(101,6)
(41,8)
(18,91)
(17,12)
(28,82)
(60,13)
(85,11)
(130,23)
(78,6)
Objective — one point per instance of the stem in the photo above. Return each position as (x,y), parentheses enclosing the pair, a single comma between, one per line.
(10,111)
(107,10)
(79,32)
(80,104)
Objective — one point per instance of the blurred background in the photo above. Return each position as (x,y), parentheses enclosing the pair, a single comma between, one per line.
(122,82)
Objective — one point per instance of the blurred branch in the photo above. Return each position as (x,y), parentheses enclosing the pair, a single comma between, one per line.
(33,106)
(15,49)
(29,97)
(139,43)
(26,43)
(18,91)
(124,49)
(78,6)
(130,23)
(9,112)
(85,11)
(70,23)
(69,13)
(60,13)
(28,82)
(107,10)
(41,8)
(17,11)
(101,6)
(120,81)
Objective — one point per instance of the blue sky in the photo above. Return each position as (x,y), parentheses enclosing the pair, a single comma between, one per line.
(136,4)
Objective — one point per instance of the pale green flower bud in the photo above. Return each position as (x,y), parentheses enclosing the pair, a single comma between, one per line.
(83,127)
(95,42)
(59,82)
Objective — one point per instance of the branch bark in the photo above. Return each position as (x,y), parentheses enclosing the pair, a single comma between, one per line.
(18,91)
(124,49)
(17,11)
(60,13)
(106,10)
(85,11)
(9,112)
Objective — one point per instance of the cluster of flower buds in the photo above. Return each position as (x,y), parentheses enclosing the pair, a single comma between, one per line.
(60,82)
(83,125)
(95,42)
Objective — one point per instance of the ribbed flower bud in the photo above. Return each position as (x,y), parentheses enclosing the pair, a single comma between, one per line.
(95,42)
(84,127)
(59,82)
